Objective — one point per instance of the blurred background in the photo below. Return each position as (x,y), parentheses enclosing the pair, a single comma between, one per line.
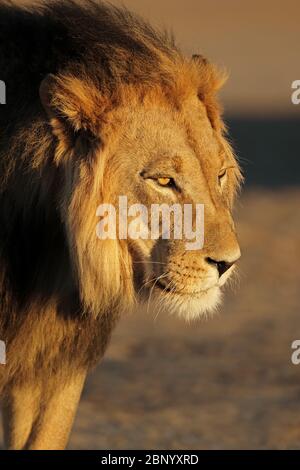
(228,382)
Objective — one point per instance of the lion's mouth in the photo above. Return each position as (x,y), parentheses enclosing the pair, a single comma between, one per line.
(167,289)
(162,286)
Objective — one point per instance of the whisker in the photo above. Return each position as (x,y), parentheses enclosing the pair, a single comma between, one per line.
(145,283)
(149,262)
(152,288)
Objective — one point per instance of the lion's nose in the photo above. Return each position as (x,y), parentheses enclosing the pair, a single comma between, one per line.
(222,266)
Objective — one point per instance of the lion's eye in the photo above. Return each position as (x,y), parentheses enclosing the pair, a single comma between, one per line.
(222,176)
(166,182)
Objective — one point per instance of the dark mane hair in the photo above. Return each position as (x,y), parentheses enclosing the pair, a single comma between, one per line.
(108,44)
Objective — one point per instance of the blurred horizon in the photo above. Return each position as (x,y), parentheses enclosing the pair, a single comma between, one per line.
(256,42)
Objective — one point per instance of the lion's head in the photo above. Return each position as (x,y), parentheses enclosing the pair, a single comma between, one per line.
(151,131)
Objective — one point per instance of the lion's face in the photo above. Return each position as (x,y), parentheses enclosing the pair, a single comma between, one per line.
(167,156)
(154,147)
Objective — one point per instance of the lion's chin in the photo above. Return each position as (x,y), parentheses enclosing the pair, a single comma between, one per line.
(187,306)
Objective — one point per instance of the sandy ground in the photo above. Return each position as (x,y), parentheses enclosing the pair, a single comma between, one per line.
(226,383)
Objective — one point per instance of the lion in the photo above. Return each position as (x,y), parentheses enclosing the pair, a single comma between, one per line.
(98,104)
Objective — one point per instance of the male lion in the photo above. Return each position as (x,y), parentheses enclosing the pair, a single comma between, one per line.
(98,105)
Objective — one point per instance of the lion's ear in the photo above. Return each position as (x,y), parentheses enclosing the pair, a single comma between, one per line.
(211,79)
(72,103)
(200,59)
